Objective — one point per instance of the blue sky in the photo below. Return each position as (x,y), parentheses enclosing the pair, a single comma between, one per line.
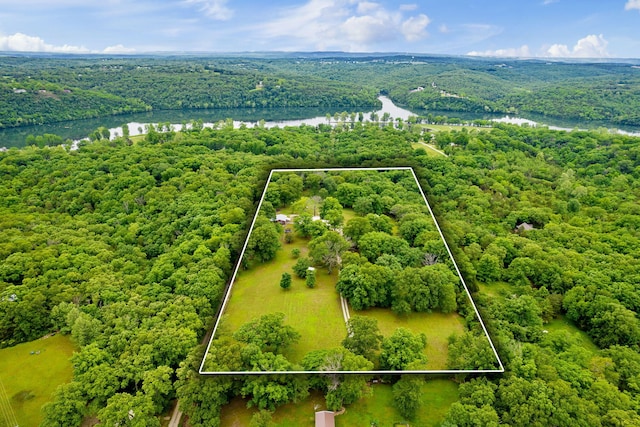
(525,28)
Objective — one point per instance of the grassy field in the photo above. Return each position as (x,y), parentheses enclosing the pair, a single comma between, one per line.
(431,151)
(564,324)
(437,397)
(301,414)
(436,326)
(30,379)
(440,128)
(315,313)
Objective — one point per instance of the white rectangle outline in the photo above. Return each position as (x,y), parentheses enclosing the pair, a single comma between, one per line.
(431,372)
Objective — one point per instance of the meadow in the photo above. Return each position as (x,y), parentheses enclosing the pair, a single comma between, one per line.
(436,326)
(437,396)
(30,373)
(314,313)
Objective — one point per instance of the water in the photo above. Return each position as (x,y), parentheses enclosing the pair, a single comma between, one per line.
(78,129)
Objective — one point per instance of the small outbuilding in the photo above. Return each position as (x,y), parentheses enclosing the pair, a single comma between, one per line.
(525,226)
(282,219)
(325,419)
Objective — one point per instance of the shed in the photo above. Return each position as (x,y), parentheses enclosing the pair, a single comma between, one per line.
(282,219)
(525,226)
(325,419)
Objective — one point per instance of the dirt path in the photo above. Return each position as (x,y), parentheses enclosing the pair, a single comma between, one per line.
(431,147)
(345,309)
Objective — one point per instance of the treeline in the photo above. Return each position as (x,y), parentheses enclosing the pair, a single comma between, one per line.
(128,248)
(578,193)
(581,91)
(35,101)
(38,91)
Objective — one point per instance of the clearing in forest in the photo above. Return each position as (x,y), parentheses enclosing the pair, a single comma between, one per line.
(347,271)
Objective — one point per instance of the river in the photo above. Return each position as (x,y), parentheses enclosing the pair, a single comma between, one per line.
(78,129)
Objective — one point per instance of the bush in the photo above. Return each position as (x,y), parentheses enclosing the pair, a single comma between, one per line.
(301,267)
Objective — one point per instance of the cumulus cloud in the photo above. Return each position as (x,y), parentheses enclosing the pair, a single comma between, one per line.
(415,28)
(214,9)
(591,46)
(20,42)
(518,52)
(344,24)
(408,7)
(632,4)
(118,49)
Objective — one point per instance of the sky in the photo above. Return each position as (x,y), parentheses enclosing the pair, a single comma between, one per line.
(509,28)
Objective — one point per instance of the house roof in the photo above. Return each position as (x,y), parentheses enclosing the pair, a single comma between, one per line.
(525,226)
(325,419)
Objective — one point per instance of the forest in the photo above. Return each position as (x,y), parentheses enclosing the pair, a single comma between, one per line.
(127,246)
(39,90)
(373,243)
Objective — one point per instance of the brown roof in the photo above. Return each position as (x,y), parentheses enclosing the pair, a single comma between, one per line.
(325,419)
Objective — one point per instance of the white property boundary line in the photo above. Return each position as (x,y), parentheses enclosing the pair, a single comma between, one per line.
(235,273)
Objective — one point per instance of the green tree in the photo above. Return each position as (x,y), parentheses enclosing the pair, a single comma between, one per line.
(262,418)
(401,349)
(327,249)
(301,267)
(407,395)
(264,242)
(311,279)
(268,332)
(363,336)
(285,281)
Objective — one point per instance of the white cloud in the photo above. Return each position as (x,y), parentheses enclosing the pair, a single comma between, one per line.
(350,25)
(443,28)
(518,52)
(408,7)
(214,9)
(632,4)
(19,42)
(415,28)
(118,49)
(591,46)
(548,2)
(365,7)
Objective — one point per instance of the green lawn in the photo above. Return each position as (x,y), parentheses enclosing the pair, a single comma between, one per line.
(564,324)
(436,326)
(30,379)
(496,289)
(437,397)
(315,313)
(431,151)
(440,128)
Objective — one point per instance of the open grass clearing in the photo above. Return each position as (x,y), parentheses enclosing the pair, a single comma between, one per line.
(30,379)
(437,396)
(436,326)
(314,313)
(563,324)
(301,414)
(445,128)
(431,150)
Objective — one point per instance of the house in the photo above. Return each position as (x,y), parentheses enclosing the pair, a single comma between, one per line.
(282,219)
(524,226)
(325,419)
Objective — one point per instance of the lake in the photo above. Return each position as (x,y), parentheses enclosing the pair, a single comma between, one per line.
(78,129)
